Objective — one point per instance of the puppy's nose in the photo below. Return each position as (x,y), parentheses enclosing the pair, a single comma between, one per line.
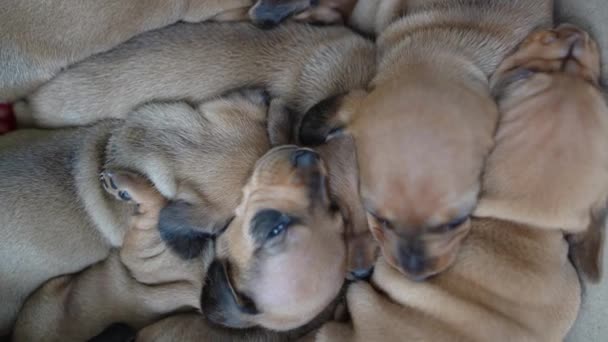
(304,158)
(412,260)
(362,274)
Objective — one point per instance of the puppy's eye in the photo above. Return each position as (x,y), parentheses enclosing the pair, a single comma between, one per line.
(268,224)
(451,225)
(386,224)
(277,230)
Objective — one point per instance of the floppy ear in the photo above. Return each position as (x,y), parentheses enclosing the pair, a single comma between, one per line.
(587,248)
(329,118)
(220,302)
(186,228)
(281,123)
(363,251)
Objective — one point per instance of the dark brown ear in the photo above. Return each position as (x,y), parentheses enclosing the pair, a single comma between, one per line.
(269,13)
(187,228)
(587,249)
(220,302)
(362,254)
(329,118)
(281,123)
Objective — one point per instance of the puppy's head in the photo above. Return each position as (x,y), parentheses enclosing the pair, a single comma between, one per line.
(269,13)
(421,141)
(549,168)
(281,261)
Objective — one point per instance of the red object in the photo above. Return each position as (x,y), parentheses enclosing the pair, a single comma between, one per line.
(7,118)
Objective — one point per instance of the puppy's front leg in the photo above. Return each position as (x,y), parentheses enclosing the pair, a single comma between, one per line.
(135,286)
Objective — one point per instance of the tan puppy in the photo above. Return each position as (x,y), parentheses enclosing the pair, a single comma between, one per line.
(426,125)
(296,62)
(183,225)
(39,39)
(136,285)
(51,195)
(282,258)
(555,76)
(513,280)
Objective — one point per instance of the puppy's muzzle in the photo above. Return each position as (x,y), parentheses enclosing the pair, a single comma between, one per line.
(267,14)
(412,260)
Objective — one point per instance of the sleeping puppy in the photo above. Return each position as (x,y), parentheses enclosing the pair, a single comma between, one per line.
(39,39)
(513,280)
(137,285)
(281,261)
(200,203)
(295,62)
(426,124)
(56,176)
(283,258)
(554,75)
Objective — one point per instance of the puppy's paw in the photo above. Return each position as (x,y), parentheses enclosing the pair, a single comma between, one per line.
(131,188)
(566,48)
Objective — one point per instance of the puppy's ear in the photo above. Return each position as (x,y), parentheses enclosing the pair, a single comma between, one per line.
(329,118)
(587,248)
(186,228)
(363,251)
(281,123)
(220,302)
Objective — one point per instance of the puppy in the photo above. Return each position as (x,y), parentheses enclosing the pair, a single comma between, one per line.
(513,280)
(425,126)
(198,158)
(295,62)
(136,285)
(39,39)
(552,78)
(282,258)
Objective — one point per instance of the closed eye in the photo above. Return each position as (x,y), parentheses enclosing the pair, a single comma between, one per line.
(383,222)
(452,225)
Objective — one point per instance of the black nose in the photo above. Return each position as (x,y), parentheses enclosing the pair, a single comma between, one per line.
(305,158)
(412,259)
(362,274)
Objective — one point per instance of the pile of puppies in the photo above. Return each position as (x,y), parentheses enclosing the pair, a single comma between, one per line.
(445,180)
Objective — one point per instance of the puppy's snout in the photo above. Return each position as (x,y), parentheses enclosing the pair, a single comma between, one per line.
(362,273)
(305,158)
(412,260)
